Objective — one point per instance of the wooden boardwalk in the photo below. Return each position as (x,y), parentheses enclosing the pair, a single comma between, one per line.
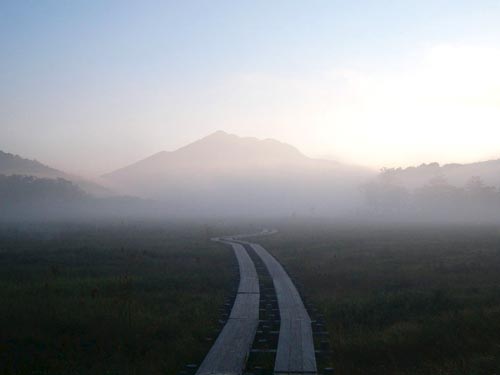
(230,351)
(295,352)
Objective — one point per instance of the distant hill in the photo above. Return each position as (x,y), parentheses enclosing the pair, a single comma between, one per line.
(11,164)
(54,199)
(224,173)
(455,174)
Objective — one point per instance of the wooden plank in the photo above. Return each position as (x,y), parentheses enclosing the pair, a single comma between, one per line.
(295,352)
(249,281)
(230,351)
(244,306)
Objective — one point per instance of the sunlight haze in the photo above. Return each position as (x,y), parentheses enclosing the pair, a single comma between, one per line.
(366,83)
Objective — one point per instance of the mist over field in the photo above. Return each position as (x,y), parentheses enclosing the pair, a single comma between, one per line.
(224,175)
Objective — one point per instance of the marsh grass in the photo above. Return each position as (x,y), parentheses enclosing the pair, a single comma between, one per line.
(401,299)
(113,300)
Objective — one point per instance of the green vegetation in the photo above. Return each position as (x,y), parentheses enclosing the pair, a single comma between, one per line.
(142,298)
(109,299)
(401,299)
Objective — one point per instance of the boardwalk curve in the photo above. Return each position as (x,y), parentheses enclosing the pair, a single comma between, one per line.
(230,351)
(295,353)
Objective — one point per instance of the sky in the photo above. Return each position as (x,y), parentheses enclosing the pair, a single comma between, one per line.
(91,86)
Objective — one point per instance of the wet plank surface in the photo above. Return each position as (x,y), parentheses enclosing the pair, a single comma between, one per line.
(249,281)
(295,352)
(230,351)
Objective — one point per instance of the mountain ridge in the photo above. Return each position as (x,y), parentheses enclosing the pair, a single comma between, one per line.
(225,173)
(13,164)
(214,148)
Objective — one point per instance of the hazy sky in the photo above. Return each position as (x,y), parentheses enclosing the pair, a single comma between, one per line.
(89,86)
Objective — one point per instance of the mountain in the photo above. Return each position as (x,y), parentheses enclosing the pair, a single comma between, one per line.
(11,164)
(226,174)
(455,174)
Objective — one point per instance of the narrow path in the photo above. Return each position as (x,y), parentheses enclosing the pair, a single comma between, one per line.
(295,353)
(230,351)
(265,344)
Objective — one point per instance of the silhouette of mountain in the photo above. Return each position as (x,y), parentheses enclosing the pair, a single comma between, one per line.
(225,173)
(218,151)
(11,164)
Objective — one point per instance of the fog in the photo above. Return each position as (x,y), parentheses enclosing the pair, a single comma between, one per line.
(223,175)
(312,101)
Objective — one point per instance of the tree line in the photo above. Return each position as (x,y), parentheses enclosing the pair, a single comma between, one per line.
(437,199)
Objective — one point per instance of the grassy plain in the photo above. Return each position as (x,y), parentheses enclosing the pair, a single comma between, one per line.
(137,298)
(400,299)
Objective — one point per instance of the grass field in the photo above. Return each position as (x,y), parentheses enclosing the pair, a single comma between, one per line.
(111,299)
(143,298)
(401,299)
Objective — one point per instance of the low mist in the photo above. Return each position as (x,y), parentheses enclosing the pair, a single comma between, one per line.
(223,175)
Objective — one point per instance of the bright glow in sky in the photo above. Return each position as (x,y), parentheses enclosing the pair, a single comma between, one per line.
(92,86)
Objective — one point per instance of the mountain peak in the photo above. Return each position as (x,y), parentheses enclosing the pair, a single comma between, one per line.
(216,152)
(221,146)
(218,133)
(223,172)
